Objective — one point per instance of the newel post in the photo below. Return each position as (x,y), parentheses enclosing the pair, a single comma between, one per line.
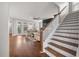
(41,39)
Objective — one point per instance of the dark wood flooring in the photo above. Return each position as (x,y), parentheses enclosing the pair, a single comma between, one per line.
(20,46)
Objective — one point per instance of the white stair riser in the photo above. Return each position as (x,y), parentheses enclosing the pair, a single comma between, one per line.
(70,31)
(70,24)
(66,39)
(61,51)
(64,45)
(73,19)
(67,27)
(70,21)
(69,35)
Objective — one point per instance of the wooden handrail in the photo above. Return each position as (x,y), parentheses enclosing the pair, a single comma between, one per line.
(60,11)
(41,38)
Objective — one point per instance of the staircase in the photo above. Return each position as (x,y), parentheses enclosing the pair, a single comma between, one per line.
(64,42)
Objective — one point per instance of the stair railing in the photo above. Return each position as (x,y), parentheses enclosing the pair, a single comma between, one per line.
(45,32)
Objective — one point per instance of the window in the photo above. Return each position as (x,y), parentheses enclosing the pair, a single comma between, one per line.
(25,27)
(19,27)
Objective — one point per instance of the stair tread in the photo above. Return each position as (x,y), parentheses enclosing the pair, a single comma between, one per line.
(68,25)
(67,29)
(66,32)
(69,43)
(72,19)
(63,48)
(70,22)
(73,31)
(76,38)
(57,54)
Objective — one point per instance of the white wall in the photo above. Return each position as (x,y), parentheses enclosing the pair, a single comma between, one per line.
(77,54)
(61,5)
(65,12)
(4,41)
(75,6)
(33,23)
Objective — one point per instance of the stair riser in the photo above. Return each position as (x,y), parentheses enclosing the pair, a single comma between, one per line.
(70,31)
(61,51)
(68,35)
(69,25)
(63,48)
(66,39)
(68,28)
(73,19)
(64,45)
(70,22)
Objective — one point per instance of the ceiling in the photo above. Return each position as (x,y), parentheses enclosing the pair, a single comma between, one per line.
(32,9)
(26,10)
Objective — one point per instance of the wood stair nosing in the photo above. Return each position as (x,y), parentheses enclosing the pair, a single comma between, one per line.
(63,48)
(57,54)
(67,37)
(65,42)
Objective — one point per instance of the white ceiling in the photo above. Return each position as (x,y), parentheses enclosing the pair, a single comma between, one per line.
(61,4)
(32,9)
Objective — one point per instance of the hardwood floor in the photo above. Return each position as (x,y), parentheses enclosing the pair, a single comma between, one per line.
(20,46)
